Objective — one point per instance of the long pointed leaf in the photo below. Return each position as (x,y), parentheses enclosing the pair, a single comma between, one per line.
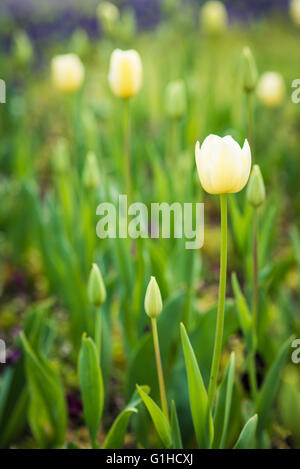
(159,419)
(198,396)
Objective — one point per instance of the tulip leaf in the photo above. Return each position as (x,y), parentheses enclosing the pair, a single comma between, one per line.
(158,417)
(116,434)
(175,429)
(246,439)
(268,392)
(47,412)
(223,405)
(201,415)
(91,386)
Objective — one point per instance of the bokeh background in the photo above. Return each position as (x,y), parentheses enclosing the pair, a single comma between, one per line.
(47,210)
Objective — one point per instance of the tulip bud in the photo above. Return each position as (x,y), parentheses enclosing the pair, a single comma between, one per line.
(22,47)
(91,174)
(125,73)
(61,157)
(256,193)
(109,15)
(295,11)
(96,287)
(271,89)
(80,42)
(67,73)
(214,17)
(153,301)
(250,74)
(175,99)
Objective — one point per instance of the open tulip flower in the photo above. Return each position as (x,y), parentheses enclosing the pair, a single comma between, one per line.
(223,166)
(125,73)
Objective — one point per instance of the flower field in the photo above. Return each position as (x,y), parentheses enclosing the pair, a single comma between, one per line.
(149,225)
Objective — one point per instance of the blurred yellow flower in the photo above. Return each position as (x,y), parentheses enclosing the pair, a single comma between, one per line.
(214,18)
(223,166)
(109,15)
(271,89)
(67,72)
(295,11)
(125,73)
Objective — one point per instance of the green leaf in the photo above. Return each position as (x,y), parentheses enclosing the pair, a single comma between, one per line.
(246,439)
(175,429)
(268,391)
(223,405)
(47,412)
(198,396)
(116,434)
(91,386)
(244,315)
(159,419)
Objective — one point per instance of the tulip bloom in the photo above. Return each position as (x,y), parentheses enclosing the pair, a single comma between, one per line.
(125,73)
(223,166)
(295,11)
(214,17)
(271,89)
(67,73)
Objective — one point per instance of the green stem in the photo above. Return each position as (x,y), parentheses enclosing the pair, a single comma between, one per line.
(127,158)
(255,272)
(160,374)
(250,132)
(98,332)
(221,304)
(252,367)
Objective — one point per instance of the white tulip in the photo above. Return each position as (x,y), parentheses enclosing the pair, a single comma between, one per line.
(125,73)
(295,11)
(223,166)
(67,72)
(271,89)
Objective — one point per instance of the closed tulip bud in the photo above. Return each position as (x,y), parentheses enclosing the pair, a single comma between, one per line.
(67,73)
(256,193)
(22,47)
(250,74)
(109,15)
(91,174)
(214,17)
(153,301)
(271,89)
(223,166)
(175,99)
(96,287)
(295,11)
(125,73)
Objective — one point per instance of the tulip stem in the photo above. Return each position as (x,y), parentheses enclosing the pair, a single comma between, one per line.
(250,107)
(255,271)
(221,304)
(160,374)
(127,158)
(98,332)
(252,367)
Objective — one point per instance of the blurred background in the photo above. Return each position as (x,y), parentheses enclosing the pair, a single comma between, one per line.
(50,188)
